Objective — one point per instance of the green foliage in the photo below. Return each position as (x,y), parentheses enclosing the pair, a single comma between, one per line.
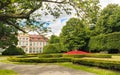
(13,50)
(54,48)
(50,55)
(40,60)
(51,48)
(109,42)
(108,64)
(8,35)
(54,39)
(88,55)
(73,35)
(109,20)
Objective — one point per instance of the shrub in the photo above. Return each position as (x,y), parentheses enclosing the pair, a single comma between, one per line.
(13,50)
(109,42)
(54,48)
(50,49)
(40,60)
(50,55)
(108,64)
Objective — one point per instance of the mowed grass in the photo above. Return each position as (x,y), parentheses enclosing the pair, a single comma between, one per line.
(7,72)
(95,70)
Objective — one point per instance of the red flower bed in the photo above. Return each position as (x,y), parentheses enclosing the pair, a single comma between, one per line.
(77,52)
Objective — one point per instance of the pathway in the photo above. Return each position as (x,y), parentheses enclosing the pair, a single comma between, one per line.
(42,69)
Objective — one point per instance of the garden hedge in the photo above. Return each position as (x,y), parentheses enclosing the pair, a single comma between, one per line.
(50,55)
(109,42)
(89,55)
(107,64)
(40,60)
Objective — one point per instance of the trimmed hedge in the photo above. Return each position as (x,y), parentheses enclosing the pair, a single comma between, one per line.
(89,55)
(26,56)
(50,55)
(74,55)
(109,42)
(107,64)
(40,60)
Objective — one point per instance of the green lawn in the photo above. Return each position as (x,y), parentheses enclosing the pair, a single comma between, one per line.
(7,72)
(95,70)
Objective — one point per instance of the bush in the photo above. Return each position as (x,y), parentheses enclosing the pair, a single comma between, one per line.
(109,42)
(13,50)
(54,48)
(40,60)
(50,49)
(107,64)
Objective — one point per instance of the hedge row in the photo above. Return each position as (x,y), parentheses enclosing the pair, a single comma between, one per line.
(40,60)
(107,64)
(109,42)
(75,56)
(50,55)
(26,56)
(89,55)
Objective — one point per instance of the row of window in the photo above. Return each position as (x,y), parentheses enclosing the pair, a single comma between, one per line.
(33,50)
(23,38)
(30,51)
(32,43)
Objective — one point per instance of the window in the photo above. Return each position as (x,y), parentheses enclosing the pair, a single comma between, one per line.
(26,38)
(30,43)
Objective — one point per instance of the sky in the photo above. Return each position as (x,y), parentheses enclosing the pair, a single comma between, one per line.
(57,25)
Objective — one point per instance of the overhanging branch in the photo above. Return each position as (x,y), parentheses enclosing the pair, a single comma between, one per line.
(54,1)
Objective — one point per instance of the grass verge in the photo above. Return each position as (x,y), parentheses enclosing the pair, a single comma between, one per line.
(7,72)
(95,70)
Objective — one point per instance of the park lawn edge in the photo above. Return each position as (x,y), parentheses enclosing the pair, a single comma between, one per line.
(96,70)
(7,72)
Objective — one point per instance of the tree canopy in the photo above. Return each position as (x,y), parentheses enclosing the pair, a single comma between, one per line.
(54,39)
(13,11)
(10,10)
(73,35)
(109,20)
(8,35)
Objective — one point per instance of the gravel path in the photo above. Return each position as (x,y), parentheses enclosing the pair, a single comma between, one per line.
(42,69)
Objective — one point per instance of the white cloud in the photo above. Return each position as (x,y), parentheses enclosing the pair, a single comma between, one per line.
(104,3)
(56,25)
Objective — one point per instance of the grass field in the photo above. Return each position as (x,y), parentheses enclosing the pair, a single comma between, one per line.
(95,70)
(7,72)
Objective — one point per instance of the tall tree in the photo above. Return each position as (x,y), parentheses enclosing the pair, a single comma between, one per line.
(13,11)
(73,35)
(109,20)
(10,10)
(8,35)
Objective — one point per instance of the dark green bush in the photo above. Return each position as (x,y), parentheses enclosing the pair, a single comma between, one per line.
(13,50)
(40,60)
(109,42)
(108,64)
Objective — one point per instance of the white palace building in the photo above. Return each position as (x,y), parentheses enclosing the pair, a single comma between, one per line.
(31,43)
